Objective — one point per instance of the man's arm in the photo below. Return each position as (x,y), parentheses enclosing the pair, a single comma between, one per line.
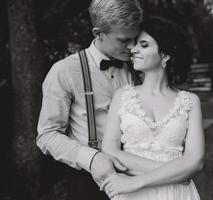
(103,165)
(54,121)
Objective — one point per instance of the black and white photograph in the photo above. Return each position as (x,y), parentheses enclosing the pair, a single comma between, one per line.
(106,99)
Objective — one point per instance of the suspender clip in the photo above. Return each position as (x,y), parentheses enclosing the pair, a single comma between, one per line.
(93,144)
(89,93)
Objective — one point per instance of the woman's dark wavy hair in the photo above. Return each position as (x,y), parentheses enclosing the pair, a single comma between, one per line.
(173,41)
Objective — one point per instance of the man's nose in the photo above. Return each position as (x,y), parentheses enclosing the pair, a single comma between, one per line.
(131,45)
(134,49)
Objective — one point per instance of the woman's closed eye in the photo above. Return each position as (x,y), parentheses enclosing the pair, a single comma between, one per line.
(144,44)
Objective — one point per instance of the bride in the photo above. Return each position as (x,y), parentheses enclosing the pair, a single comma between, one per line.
(155,129)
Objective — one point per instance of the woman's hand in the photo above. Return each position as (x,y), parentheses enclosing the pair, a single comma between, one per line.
(119,184)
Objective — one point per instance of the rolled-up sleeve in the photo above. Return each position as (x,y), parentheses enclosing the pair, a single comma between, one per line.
(54,120)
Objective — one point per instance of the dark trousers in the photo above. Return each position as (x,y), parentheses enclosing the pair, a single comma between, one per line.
(81,186)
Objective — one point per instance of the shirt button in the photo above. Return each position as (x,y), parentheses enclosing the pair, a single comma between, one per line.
(112,76)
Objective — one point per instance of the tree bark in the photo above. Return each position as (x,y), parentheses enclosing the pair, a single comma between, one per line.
(5,104)
(27,66)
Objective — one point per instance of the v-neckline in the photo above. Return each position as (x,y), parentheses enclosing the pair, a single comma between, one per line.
(164,118)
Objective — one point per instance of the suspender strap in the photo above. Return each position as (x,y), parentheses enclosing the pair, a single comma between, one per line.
(89,100)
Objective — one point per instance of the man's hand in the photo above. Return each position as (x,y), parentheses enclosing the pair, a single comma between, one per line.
(103,165)
(186,181)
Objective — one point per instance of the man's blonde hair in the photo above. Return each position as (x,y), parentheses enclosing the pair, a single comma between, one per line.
(127,14)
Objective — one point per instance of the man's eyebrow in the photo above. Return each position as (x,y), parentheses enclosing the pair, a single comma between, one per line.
(124,39)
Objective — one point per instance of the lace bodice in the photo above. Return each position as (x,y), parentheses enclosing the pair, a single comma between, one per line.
(162,140)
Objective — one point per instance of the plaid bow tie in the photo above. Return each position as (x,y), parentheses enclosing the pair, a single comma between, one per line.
(105,64)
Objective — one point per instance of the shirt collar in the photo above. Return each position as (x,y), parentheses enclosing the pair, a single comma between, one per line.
(96,54)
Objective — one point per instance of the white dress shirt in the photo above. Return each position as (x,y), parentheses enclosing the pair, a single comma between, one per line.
(62,126)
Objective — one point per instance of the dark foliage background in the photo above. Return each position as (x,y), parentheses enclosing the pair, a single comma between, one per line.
(33,35)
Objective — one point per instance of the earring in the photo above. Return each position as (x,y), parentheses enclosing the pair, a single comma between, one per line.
(163,64)
(164,60)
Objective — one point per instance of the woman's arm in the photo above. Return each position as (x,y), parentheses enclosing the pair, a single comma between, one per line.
(192,159)
(111,143)
(172,171)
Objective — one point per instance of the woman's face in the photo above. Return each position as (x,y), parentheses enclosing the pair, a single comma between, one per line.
(145,53)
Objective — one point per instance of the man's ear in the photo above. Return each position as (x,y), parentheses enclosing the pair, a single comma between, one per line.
(96,32)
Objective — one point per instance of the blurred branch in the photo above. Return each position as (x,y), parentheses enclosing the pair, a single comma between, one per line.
(3,83)
(56,9)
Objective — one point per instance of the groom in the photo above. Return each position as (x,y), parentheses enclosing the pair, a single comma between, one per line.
(62,127)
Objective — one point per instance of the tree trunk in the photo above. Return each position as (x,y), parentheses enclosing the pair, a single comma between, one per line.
(27,63)
(5,104)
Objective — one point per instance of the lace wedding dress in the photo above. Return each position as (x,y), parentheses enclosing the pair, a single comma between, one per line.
(160,141)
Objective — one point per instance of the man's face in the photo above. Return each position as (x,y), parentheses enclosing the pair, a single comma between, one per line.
(116,43)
